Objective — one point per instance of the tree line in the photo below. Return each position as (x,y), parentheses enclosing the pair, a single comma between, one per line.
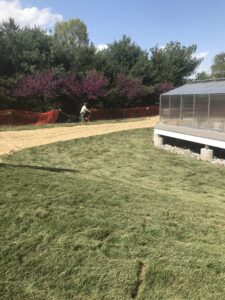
(217,68)
(61,69)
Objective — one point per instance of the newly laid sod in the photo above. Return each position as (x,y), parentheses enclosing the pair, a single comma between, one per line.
(111,217)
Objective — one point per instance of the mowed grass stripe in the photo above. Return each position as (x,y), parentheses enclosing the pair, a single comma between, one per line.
(111,217)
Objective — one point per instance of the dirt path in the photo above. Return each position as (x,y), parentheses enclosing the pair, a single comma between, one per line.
(11,141)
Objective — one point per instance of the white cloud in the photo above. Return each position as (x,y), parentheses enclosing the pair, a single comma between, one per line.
(31,16)
(201,55)
(205,64)
(101,47)
(203,68)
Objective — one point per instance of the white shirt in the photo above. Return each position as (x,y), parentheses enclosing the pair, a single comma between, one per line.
(83,109)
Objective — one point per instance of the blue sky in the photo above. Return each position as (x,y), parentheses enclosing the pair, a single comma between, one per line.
(147,22)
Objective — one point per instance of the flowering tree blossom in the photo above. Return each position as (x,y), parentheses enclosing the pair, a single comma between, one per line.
(42,85)
(94,85)
(163,87)
(69,85)
(130,88)
(48,85)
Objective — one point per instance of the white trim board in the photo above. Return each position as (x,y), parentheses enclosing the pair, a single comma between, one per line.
(191,138)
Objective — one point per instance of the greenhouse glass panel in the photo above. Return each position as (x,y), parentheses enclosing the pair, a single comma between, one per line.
(175,103)
(165,109)
(201,111)
(217,112)
(187,110)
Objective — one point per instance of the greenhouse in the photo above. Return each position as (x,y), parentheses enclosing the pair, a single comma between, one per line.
(194,112)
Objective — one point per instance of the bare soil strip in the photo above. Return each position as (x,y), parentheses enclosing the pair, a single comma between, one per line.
(11,141)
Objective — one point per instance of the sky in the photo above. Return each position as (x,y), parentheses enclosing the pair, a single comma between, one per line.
(147,22)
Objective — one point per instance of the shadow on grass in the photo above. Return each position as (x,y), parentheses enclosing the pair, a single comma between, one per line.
(49,169)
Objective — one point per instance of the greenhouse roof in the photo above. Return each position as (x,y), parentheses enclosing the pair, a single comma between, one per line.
(200,87)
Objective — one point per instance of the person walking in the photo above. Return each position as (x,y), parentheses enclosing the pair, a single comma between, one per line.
(83,112)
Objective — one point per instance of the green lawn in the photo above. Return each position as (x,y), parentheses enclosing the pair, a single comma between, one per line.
(111,217)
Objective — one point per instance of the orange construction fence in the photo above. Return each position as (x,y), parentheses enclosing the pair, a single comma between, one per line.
(18,117)
(120,113)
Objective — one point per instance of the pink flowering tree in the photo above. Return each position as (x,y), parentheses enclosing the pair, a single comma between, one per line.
(127,88)
(42,85)
(37,90)
(163,87)
(69,86)
(69,93)
(94,85)
(46,90)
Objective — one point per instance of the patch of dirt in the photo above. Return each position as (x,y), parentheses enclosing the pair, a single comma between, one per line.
(11,141)
(141,270)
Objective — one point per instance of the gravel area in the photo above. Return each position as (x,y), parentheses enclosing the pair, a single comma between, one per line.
(191,153)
